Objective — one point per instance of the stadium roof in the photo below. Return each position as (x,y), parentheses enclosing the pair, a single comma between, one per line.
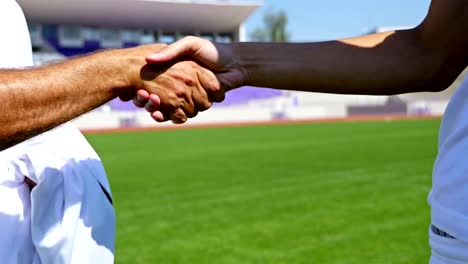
(189,15)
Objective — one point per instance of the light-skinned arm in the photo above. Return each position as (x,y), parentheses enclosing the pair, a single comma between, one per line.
(37,99)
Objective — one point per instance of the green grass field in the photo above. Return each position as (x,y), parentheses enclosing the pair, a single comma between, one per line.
(311,193)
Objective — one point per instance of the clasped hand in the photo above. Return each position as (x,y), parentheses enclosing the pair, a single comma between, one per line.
(185,78)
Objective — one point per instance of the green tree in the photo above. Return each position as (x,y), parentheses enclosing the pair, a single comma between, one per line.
(274,29)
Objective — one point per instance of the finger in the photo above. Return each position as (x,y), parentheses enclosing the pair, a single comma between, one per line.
(178,116)
(211,85)
(187,105)
(158,116)
(184,47)
(126,97)
(189,108)
(141,98)
(201,99)
(153,103)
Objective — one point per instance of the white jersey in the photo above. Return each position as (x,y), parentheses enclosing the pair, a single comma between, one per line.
(68,217)
(449,195)
(15,239)
(71,215)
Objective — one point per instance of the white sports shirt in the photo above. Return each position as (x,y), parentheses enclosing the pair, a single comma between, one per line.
(449,195)
(68,217)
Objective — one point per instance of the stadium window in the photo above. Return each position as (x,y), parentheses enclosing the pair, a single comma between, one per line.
(49,31)
(224,38)
(71,36)
(110,35)
(71,32)
(184,34)
(35,31)
(147,37)
(133,36)
(207,36)
(34,28)
(90,33)
(167,38)
(156,34)
(110,38)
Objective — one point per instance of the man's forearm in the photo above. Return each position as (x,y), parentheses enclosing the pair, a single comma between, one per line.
(35,100)
(380,64)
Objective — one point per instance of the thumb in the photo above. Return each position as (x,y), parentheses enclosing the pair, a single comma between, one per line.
(184,47)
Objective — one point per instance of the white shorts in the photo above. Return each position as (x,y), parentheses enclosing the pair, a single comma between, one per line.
(447,250)
(68,217)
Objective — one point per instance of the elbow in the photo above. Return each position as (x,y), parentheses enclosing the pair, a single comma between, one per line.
(441,79)
(436,85)
(443,73)
(434,73)
(438,67)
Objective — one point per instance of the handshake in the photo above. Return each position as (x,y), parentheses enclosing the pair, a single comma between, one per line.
(179,80)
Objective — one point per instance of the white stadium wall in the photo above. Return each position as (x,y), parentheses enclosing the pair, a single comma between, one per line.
(115,120)
(287,107)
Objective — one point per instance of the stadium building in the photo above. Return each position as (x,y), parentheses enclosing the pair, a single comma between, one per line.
(72,27)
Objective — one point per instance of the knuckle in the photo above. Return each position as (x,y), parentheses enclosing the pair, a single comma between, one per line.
(204,103)
(190,110)
(192,114)
(179,117)
(207,105)
(214,87)
(189,81)
(174,104)
(219,97)
(191,63)
(189,66)
(169,104)
(179,90)
(189,38)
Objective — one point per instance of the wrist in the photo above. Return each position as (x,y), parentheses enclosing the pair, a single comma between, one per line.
(126,66)
(231,57)
(245,57)
(267,64)
(117,69)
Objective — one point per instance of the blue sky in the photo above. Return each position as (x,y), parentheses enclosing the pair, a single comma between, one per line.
(316,20)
